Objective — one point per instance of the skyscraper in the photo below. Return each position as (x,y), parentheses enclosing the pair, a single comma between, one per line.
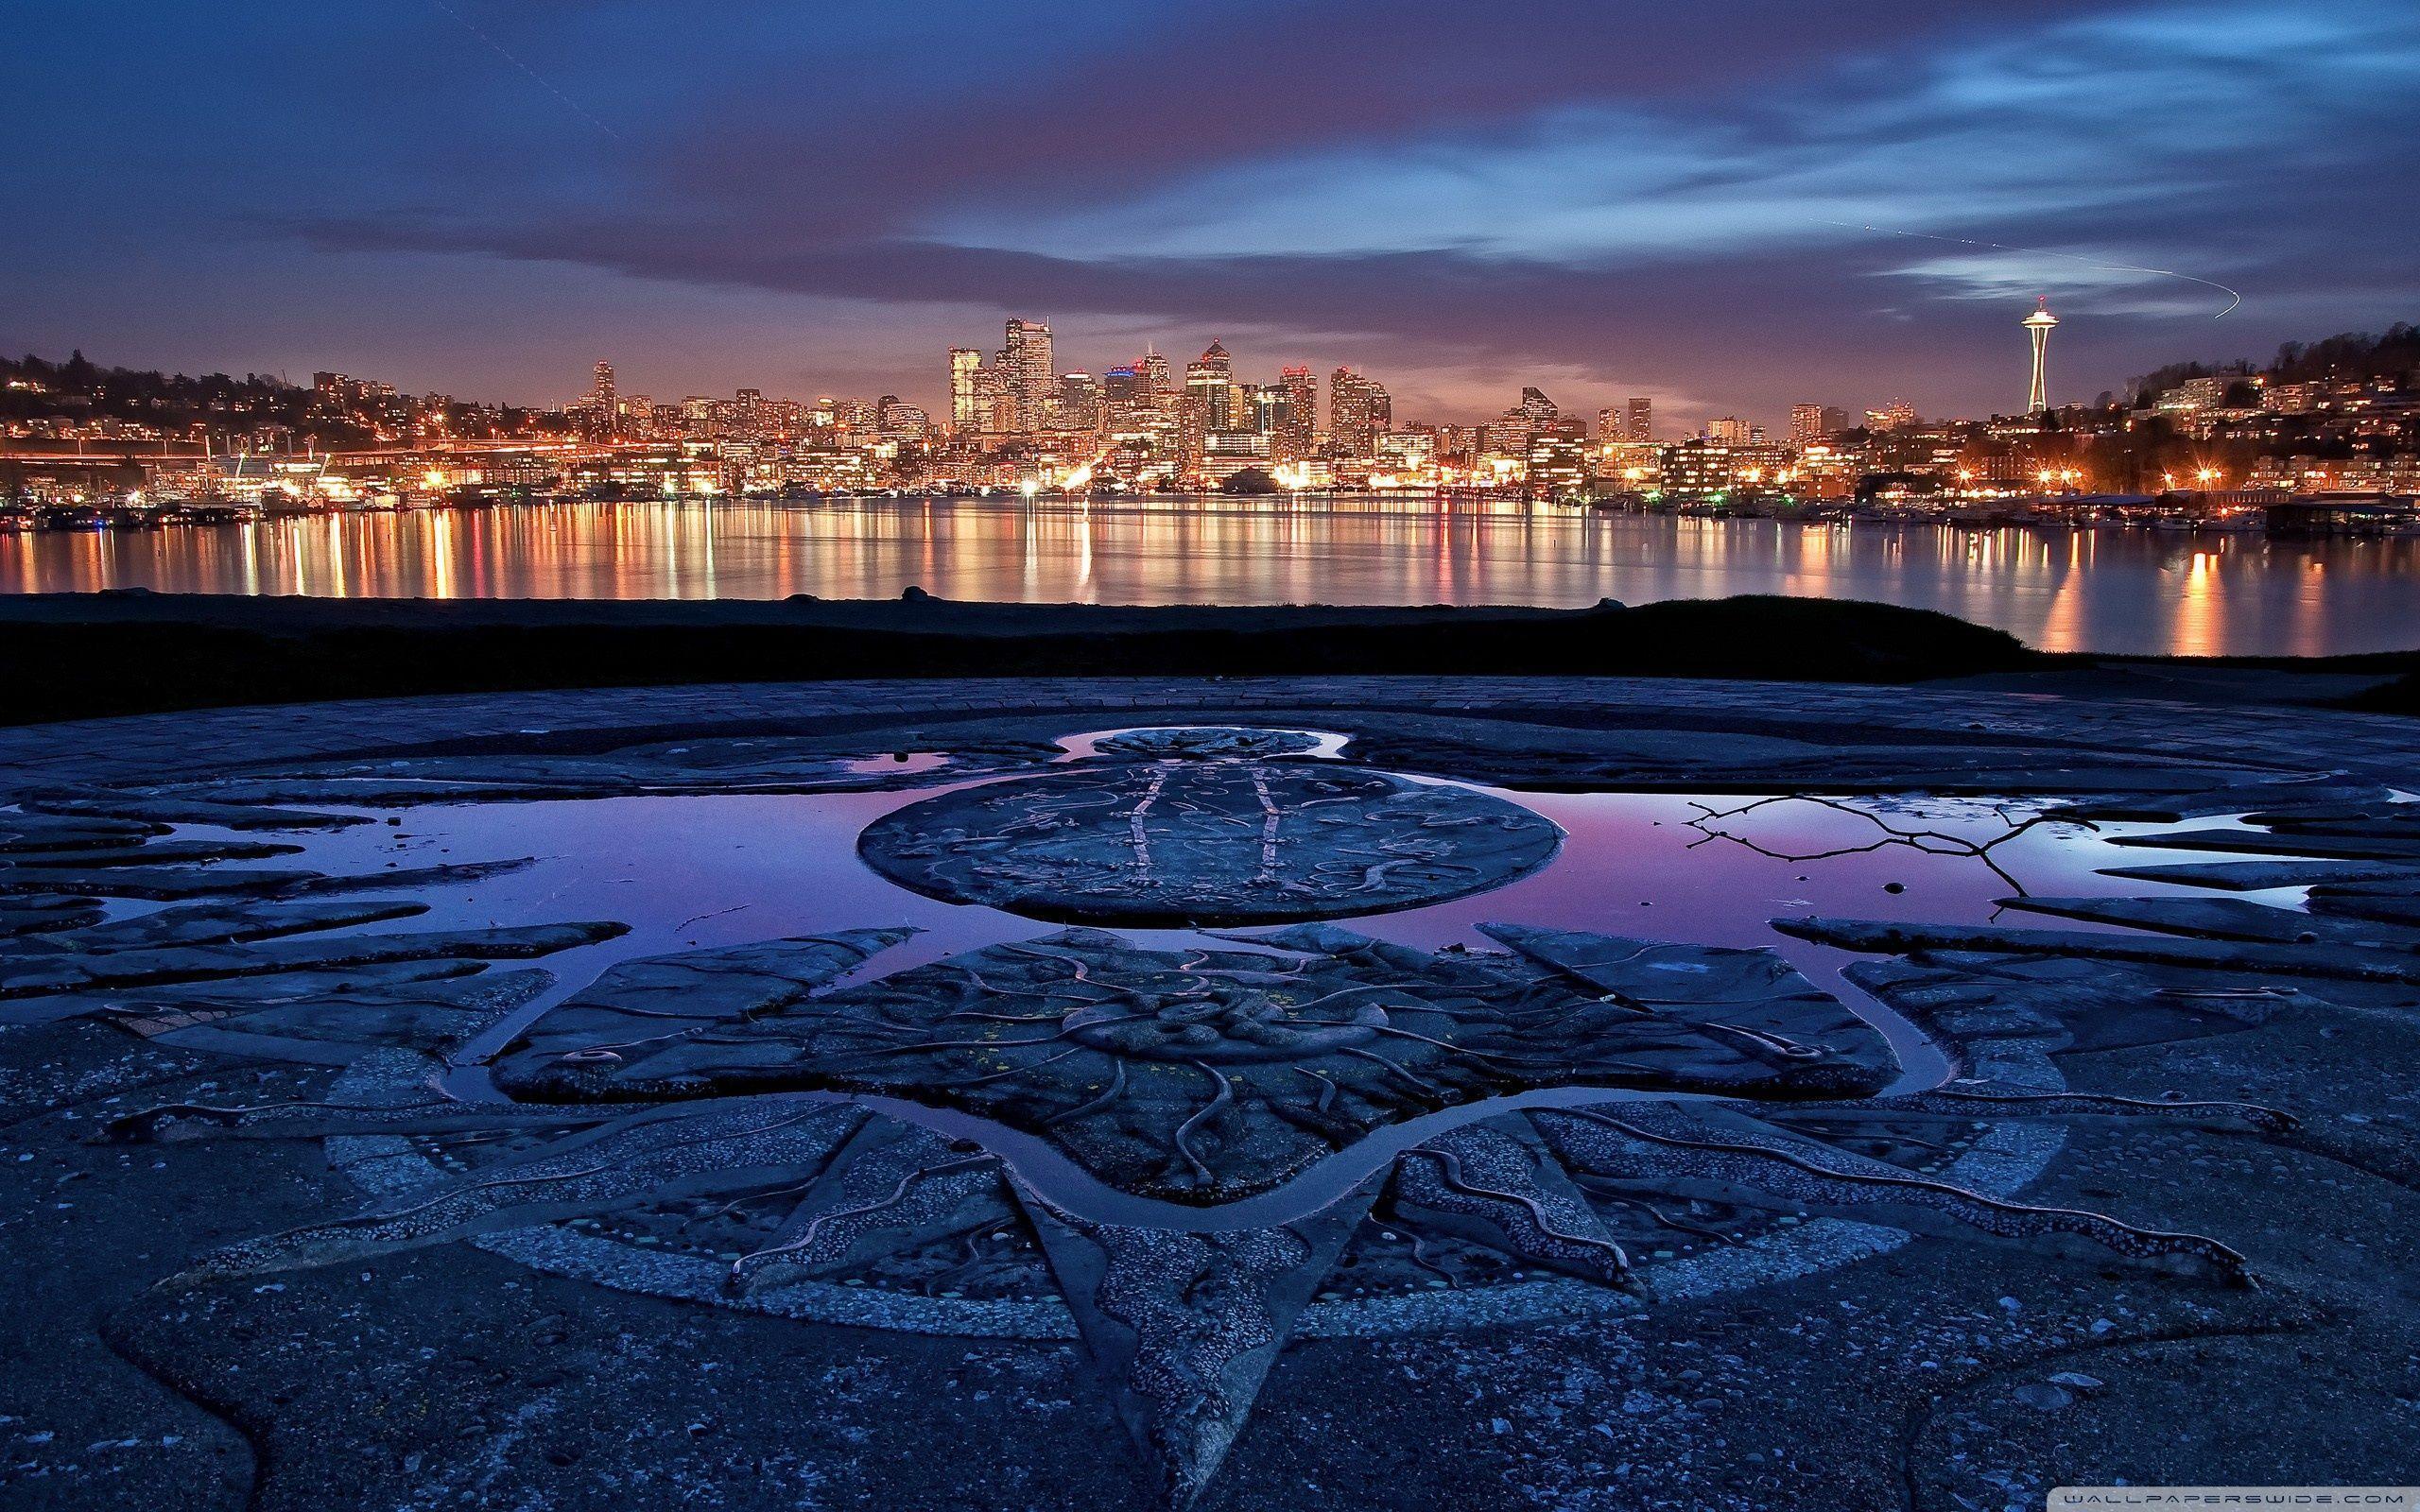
(1300,422)
(1080,402)
(1642,421)
(1032,375)
(2039,325)
(1210,379)
(964,363)
(1357,411)
(1813,423)
(604,402)
(1156,380)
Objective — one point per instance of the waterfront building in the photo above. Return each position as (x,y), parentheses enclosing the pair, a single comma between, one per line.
(1227,453)
(1628,467)
(1697,468)
(1555,464)
(1408,455)
(1641,425)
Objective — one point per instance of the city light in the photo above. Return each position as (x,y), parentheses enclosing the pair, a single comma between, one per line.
(1016,420)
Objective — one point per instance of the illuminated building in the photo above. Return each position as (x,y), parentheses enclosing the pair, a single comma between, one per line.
(1028,372)
(1261,407)
(1642,421)
(1407,454)
(1357,411)
(964,363)
(1228,453)
(995,408)
(1697,468)
(1630,467)
(894,416)
(2038,326)
(1813,423)
(1896,415)
(1730,430)
(1079,406)
(1508,435)
(1156,380)
(603,406)
(1211,378)
(1299,426)
(1555,460)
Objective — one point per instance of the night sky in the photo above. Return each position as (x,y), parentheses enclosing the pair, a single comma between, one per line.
(1604,198)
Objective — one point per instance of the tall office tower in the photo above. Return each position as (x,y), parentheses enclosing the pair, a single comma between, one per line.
(1157,382)
(1641,426)
(1123,386)
(1080,406)
(1300,425)
(2039,325)
(1273,413)
(1210,379)
(996,409)
(1358,412)
(964,363)
(1729,430)
(1031,374)
(1807,423)
(604,404)
(1535,405)
(1255,407)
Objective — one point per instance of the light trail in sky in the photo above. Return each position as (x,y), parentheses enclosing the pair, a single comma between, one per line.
(536,78)
(2234,298)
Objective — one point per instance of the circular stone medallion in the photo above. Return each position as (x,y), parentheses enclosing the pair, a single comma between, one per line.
(1207,843)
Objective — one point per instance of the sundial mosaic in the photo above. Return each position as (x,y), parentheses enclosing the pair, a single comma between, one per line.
(1175,1043)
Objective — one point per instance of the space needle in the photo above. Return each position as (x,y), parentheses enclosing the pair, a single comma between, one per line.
(2038,325)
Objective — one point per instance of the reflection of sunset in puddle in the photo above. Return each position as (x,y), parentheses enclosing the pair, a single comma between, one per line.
(694,871)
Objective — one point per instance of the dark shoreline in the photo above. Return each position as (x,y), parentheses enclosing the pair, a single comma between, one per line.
(92,655)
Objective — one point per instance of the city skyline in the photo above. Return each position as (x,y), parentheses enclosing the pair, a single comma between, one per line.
(1726,214)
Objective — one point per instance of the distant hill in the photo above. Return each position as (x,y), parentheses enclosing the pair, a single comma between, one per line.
(2352,355)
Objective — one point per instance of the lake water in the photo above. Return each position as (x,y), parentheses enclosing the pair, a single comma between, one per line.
(2112,590)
